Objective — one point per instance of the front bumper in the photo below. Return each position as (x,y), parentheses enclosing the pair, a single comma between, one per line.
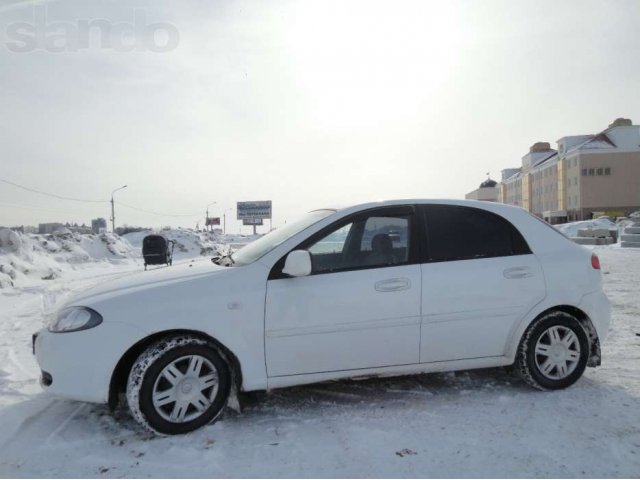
(79,365)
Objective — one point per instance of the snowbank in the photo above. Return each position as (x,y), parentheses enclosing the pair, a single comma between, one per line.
(28,259)
(571,229)
(191,243)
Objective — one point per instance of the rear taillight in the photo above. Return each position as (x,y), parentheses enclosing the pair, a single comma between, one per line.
(595,261)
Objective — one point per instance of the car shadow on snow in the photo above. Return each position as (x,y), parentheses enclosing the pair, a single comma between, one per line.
(322,398)
(319,399)
(388,392)
(391,390)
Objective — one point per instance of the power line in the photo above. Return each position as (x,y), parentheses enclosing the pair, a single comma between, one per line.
(32,207)
(61,197)
(160,214)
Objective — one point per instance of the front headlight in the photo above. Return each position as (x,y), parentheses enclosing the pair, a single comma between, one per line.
(73,319)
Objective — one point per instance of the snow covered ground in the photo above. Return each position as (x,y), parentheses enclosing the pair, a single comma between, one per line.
(469,424)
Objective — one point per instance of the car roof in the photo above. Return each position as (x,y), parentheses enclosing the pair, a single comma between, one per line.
(484,205)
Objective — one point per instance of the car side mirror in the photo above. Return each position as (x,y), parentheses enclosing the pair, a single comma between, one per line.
(297,264)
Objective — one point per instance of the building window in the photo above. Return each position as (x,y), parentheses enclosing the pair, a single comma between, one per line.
(584,172)
(592,171)
(607,171)
(600,171)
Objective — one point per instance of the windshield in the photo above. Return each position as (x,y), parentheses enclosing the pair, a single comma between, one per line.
(271,240)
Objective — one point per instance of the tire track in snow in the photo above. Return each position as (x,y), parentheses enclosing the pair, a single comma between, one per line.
(64,424)
(12,357)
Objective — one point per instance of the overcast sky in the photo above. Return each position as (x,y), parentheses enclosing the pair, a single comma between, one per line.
(306,103)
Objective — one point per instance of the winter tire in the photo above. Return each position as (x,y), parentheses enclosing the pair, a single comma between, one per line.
(553,352)
(178,385)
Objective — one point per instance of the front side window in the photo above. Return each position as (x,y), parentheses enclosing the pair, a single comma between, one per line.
(464,233)
(371,241)
(332,243)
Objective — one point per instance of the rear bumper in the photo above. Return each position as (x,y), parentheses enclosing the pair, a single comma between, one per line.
(598,308)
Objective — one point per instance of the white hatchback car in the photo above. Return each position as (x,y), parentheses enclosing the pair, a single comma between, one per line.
(388,288)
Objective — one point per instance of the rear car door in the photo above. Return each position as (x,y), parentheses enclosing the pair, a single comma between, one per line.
(359,308)
(479,278)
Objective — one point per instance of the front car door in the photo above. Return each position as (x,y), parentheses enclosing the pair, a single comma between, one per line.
(359,308)
(479,279)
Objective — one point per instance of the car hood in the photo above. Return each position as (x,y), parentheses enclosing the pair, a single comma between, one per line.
(145,280)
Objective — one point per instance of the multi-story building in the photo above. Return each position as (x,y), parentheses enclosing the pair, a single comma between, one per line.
(587,175)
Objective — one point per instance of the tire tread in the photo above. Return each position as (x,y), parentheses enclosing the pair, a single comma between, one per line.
(144,361)
(521,365)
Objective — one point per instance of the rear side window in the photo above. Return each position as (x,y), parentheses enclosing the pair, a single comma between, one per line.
(465,233)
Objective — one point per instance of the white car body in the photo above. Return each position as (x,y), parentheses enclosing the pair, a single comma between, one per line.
(394,320)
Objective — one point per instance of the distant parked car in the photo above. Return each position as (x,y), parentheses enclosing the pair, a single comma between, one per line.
(475,285)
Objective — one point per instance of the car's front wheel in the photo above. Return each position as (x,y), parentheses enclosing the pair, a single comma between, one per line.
(553,352)
(178,385)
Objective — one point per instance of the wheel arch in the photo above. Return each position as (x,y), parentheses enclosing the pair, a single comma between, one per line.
(594,342)
(123,367)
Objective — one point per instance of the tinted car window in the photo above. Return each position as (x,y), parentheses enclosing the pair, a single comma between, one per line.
(463,233)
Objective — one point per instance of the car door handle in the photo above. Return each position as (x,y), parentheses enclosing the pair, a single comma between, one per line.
(393,285)
(518,272)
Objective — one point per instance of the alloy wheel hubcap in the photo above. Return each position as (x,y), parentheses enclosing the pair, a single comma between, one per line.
(185,389)
(557,352)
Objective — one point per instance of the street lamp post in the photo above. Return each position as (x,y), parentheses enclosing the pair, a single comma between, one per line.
(207,217)
(224,220)
(113,210)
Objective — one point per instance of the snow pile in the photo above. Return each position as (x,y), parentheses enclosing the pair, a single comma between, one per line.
(28,258)
(192,243)
(630,221)
(571,229)
(631,232)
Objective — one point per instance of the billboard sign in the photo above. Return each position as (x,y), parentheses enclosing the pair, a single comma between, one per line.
(254,210)
(251,221)
(213,221)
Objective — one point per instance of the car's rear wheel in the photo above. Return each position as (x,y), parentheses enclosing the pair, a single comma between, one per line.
(178,385)
(553,352)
